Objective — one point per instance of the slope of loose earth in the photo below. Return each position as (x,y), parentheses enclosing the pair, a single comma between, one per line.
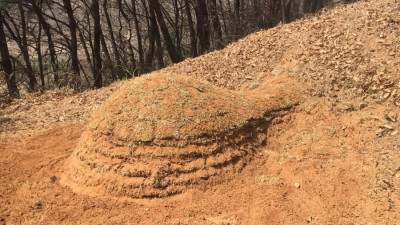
(333,159)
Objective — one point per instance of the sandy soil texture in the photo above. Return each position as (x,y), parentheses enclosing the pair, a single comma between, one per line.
(330,155)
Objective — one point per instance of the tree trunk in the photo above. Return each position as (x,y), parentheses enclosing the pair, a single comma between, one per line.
(258,17)
(283,11)
(105,48)
(108,61)
(152,32)
(237,9)
(175,57)
(96,44)
(315,5)
(193,39)
(46,29)
(221,8)
(301,8)
(6,63)
(129,35)
(39,53)
(237,20)
(73,47)
(176,27)
(203,28)
(138,35)
(216,24)
(111,33)
(159,50)
(24,49)
(86,50)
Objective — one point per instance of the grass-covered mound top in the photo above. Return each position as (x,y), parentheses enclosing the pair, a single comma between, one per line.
(161,133)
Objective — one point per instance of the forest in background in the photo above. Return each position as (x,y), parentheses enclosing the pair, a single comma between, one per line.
(81,44)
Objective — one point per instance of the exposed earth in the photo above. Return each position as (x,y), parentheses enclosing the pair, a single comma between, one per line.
(298,124)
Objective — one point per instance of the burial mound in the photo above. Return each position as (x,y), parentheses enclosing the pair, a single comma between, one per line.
(162,133)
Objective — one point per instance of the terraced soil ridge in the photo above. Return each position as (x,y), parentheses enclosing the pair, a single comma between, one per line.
(161,133)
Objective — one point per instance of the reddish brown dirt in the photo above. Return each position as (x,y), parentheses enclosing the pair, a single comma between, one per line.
(333,159)
(346,174)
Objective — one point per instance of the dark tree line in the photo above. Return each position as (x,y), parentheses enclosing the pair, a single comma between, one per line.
(91,43)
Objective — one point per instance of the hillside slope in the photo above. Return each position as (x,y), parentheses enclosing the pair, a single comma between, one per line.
(352,48)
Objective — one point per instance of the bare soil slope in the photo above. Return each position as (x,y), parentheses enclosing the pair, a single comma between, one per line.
(333,159)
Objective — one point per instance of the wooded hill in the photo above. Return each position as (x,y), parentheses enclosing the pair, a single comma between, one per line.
(83,44)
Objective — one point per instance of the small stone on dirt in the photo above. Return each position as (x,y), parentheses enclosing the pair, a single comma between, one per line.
(297,185)
(387,126)
(310,219)
(379,132)
(37,205)
(363,105)
(385,96)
